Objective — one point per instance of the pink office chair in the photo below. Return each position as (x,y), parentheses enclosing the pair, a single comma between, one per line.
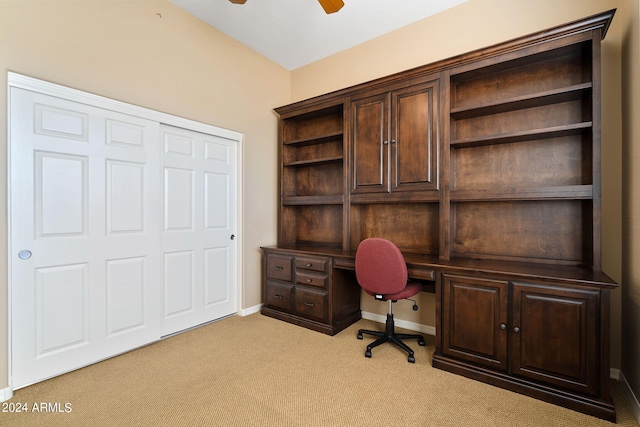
(382,272)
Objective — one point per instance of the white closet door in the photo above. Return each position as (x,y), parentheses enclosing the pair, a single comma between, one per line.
(84,250)
(199,223)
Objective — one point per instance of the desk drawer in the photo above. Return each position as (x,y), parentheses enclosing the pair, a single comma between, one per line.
(280,295)
(311,279)
(311,303)
(279,267)
(312,263)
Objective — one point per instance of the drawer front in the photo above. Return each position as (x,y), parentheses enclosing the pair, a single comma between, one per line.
(279,267)
(312,263)
(280,295)
(311,279)
(311,303)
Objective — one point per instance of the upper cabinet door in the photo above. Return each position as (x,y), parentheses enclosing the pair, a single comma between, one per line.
(370,144)
(414,138)
(395,140)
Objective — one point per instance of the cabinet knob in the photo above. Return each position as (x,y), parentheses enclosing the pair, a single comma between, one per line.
(309,265)
(516,329)
(393,141)
(309,280)
(503,326)
(385,142)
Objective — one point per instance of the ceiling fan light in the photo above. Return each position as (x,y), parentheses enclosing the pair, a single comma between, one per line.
(331,6)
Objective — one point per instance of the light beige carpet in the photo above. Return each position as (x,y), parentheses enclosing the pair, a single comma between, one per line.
(258,371)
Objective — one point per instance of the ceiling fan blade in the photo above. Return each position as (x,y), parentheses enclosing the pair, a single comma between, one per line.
(331,6)
(238,1)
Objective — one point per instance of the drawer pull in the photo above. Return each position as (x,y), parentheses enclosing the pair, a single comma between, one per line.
(308,304)
(516,330)
(278,267)
(309,280)
(278,296)
(309,265)
(503,326)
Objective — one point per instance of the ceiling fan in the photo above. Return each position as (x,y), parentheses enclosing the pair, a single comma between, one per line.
(329,6)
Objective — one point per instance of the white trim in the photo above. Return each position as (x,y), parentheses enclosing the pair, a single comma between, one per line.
(9,251)
(6,393)
(614,374)
(64,92)
(412,326)
(633,399)
(250,310)
(52,89)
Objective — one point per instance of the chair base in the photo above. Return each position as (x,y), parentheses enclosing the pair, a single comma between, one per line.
(389,335)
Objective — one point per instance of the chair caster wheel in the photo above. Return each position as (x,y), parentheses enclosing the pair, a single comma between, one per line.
(421,343)
(412,359)
(367,353)
(360,336)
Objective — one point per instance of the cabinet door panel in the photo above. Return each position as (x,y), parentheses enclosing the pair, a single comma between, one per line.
(557,336)
(415,138)
(370,144)
(474,312)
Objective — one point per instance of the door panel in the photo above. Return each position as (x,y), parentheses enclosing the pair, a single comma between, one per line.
(557,336)
(125,294)
(415,138)
(474,312)
(370,144)
(60,194)
(61,308)
(81,193)
(197,242)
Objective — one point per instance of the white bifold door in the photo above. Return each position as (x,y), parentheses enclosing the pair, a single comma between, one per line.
(120,233)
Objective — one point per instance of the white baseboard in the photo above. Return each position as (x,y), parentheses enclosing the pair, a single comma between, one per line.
(614,374)
(412,326)
(633,399)
(6,394)
(250,310)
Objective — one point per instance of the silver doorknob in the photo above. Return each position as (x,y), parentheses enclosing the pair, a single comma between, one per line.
(24,254)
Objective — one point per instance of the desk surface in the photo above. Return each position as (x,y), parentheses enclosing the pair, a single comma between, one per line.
(424,266)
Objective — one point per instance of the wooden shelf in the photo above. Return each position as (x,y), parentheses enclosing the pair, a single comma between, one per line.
(320,139)
(315,162)
(404,197)
(527,135)
(571,192)
(313,200)
(548,97)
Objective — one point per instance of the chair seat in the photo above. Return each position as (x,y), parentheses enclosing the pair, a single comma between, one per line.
(412,288)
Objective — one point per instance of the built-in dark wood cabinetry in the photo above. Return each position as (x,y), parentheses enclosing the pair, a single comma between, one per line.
(394,140)
(485,170)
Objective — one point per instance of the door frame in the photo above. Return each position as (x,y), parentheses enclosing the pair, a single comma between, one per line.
(15,80)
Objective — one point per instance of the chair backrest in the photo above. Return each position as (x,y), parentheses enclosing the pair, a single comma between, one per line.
(380,266)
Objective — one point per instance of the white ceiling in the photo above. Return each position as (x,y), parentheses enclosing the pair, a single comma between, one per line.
(294,33)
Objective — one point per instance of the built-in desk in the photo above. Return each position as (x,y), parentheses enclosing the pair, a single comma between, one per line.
(537,329)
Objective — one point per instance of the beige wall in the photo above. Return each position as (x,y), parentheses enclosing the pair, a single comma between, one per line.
(174,64)
(631,194)
(469,26)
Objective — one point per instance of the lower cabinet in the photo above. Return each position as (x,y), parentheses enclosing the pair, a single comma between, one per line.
(306,290)
(546,340)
